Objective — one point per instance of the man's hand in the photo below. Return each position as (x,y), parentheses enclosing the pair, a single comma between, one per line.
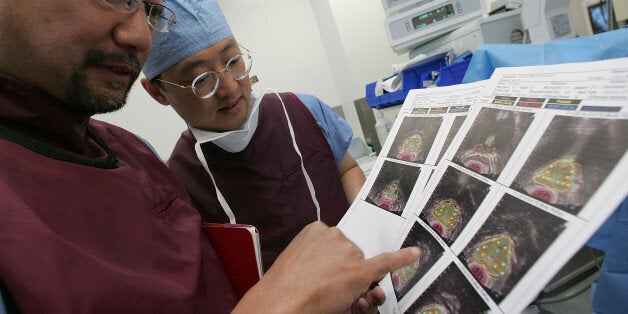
(322,271)
(369,301)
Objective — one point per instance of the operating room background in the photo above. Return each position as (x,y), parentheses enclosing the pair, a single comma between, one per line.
(328,48)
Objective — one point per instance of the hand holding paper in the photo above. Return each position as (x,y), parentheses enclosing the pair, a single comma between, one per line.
(320,271)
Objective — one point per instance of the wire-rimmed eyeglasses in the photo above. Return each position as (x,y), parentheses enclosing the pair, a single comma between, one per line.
(206,84)
(158,16)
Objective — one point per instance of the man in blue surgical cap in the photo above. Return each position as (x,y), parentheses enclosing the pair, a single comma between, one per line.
(277,161)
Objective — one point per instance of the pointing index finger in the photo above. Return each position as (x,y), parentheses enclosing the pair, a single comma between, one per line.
(384,263)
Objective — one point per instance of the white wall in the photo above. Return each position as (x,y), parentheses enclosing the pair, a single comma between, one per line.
(327,48)
(324,47)
(285,45)
(361,28)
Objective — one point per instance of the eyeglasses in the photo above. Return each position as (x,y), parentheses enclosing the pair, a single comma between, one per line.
(206,84)
(158,16)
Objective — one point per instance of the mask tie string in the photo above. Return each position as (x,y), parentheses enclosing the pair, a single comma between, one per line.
(296,148)
(221,199)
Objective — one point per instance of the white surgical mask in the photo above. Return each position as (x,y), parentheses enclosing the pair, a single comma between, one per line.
(233,141)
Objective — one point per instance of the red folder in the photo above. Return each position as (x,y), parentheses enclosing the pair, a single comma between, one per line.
(237,246)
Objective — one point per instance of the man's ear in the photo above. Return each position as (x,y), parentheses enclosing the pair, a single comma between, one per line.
(154,91)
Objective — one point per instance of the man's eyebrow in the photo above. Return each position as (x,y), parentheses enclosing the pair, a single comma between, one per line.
(189,66)
(229,46)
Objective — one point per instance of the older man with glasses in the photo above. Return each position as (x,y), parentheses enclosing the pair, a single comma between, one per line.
(90,219)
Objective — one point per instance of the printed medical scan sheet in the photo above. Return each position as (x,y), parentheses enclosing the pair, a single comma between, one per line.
(427,123)
(499,183)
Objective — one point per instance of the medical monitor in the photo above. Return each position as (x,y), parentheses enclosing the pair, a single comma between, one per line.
(597,16)
(431,19)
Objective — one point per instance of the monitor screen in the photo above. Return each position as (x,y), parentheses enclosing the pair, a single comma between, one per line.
(433,16)
(598,15)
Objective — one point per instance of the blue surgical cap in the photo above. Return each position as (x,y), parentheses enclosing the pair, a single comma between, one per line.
(199,24)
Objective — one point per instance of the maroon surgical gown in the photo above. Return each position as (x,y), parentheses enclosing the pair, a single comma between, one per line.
(264,184)
(91,221)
